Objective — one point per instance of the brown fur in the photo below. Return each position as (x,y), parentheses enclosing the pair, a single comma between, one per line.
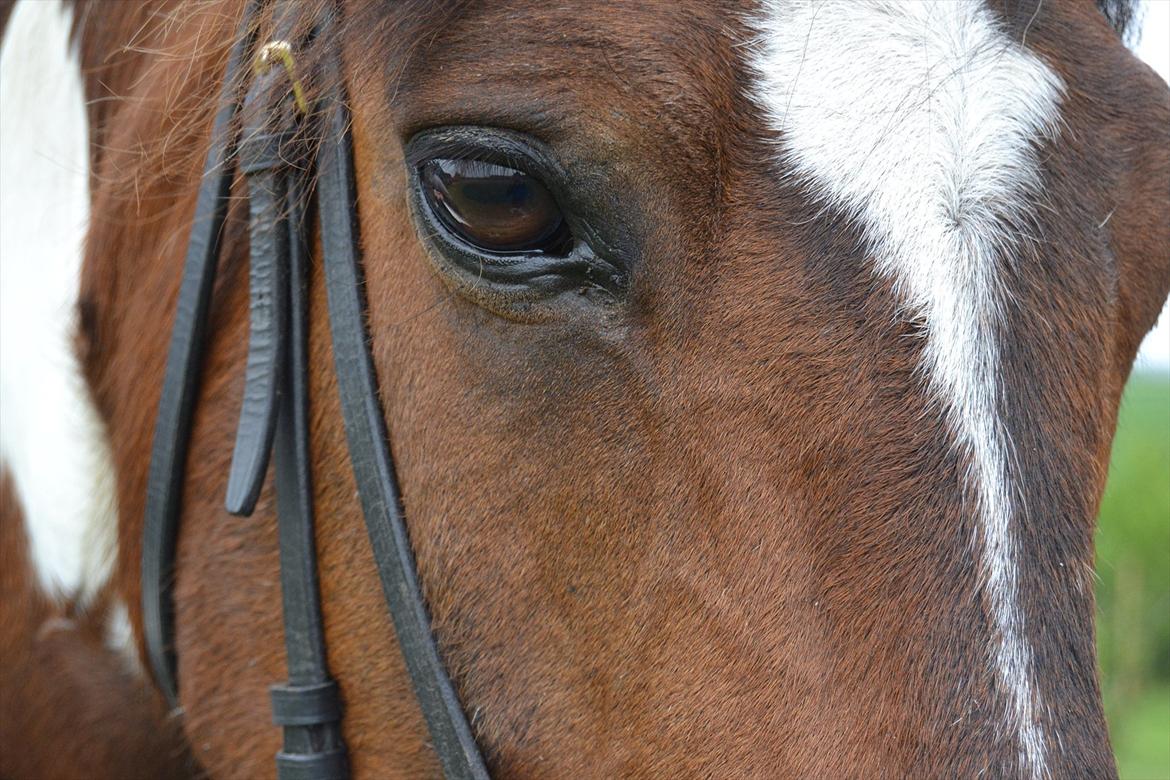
(70,707)
(715,530)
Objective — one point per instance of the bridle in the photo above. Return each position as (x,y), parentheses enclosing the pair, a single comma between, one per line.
(284,171)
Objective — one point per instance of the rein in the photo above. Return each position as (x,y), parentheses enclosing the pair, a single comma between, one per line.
(278,164)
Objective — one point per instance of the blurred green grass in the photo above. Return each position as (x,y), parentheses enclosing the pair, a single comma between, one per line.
(1133,589)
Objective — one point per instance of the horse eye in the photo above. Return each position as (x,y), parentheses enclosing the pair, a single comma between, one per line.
(494,208)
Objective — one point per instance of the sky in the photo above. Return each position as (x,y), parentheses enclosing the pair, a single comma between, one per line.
(1154,48)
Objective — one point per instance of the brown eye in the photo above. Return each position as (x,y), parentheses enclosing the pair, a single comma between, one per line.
(493,207)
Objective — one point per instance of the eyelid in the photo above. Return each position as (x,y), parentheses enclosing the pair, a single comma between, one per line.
(494,145)
(510,284)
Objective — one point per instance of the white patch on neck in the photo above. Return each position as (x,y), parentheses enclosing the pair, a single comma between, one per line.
(119,637)
(919,120)
(51,438)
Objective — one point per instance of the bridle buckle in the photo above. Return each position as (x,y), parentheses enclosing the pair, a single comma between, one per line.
(279,52)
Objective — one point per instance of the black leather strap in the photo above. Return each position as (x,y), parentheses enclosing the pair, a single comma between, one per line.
(309,706)
(260,161)
(172,428)
(305,705)
(274,416)
(369,445)
(318,766)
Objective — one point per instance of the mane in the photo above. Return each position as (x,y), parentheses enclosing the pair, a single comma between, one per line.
(1124,16)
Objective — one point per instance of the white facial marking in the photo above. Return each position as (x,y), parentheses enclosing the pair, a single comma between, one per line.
(51,438)
(119,637)
(919,120)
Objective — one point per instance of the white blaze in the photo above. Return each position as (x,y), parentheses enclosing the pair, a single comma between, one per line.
(920,119)
(51,438)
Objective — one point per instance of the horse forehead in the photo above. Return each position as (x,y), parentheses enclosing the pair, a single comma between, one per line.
(688,73)
(666,67)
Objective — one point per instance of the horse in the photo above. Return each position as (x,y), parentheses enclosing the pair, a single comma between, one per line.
(750,369)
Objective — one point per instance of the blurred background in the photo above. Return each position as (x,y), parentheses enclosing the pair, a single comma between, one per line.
(1133,533)
(1133,570)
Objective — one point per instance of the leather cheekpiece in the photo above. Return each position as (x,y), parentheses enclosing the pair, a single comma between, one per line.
(274,420)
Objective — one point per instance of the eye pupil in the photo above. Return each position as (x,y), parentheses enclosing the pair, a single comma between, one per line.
(493,207)
(518,193)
